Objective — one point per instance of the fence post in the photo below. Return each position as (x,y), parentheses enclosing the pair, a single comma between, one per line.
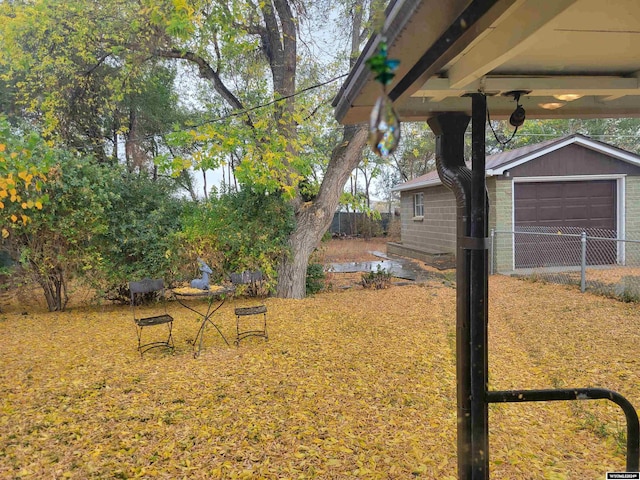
(583,268)
(491,253)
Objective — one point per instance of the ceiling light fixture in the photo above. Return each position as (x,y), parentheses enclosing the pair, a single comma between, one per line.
(551,105)
(568,97)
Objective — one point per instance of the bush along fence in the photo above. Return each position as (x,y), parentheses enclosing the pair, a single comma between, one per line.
(594,259)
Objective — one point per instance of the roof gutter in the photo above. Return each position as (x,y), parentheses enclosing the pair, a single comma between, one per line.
(427,183)
(457,33)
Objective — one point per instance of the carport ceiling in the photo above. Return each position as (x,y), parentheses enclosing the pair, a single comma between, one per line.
(549,48)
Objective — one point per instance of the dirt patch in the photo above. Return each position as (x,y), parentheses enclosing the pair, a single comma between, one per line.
(340,250)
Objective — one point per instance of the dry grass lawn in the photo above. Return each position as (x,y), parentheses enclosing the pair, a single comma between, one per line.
(351,384)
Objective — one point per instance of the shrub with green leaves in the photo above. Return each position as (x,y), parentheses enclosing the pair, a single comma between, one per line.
(57,241)
(379,279)
(140,238)
(240,231)
(315,278)
(25,160)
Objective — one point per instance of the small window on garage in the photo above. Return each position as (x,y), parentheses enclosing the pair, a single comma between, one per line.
(418,205)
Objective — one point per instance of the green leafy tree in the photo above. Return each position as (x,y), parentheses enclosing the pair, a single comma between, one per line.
(56,241)
(243,44)
(415,156)
(75,67)
(65,73)
(145,116)
(25,160)
(88,56)
(389,178)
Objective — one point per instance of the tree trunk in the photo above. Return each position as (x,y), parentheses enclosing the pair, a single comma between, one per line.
(204,184)
(292,274)
(314,218)
(55,289)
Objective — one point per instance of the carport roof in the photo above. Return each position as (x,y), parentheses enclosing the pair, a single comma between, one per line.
(548,48)
(498,163)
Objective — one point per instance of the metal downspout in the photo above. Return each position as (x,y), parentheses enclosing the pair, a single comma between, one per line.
(449,129)
(472,270)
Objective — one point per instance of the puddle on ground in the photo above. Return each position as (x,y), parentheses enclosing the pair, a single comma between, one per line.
(400,269)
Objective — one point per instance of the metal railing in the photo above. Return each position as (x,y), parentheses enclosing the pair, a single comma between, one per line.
(594,259)
(631,416)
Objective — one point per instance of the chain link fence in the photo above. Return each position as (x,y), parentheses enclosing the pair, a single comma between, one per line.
(591,258)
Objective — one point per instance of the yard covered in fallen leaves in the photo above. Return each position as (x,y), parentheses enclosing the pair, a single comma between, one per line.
(351,384)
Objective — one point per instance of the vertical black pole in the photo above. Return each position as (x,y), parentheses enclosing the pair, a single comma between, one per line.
(478,290)
(449,129)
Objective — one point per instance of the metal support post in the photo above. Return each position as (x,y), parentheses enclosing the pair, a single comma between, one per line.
(479,292)
(469,187)
(583,264)
(472,245)
(492,260)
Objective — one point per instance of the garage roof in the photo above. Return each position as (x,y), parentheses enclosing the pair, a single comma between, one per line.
(547,48)
(497,164)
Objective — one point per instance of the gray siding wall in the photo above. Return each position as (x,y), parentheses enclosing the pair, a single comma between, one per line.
(436,232)
(574,160)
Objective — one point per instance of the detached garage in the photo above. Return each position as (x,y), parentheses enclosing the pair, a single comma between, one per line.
(568,184)
(588,205)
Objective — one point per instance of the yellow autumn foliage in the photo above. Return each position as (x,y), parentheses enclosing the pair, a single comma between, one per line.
(351,384)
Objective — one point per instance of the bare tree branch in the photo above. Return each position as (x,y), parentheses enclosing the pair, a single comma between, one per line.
(206,72)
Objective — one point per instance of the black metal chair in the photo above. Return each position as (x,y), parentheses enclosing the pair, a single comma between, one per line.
(142,292)
(252,281)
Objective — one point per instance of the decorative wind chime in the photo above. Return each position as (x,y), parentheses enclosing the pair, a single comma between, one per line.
(384,125)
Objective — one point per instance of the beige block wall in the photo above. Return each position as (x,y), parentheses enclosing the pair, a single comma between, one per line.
(632,208)
(501,220)
(435,233)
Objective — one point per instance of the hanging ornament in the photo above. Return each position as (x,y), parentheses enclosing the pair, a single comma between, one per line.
(384,125)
